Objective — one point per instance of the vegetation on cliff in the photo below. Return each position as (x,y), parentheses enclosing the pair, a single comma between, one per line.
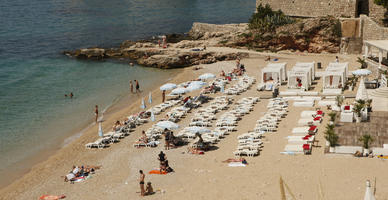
(383,3)
(274,31)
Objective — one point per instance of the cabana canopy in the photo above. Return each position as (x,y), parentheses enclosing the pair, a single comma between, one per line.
(298,79)
(339,66)
(334,79)
(309,65)
(283,67)
(272,73)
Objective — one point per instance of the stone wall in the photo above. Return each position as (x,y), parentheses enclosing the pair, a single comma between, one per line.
(314,8)
(376,12)
(371,30)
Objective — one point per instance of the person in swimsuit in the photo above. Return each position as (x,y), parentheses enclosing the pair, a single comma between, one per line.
(162,156)
(71,95)
(96,112)
(131,86)
(137,86)
(141,179)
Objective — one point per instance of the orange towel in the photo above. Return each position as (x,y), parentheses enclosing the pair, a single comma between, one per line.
(156,172)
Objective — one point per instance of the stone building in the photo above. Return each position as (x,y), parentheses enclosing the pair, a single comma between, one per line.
(337,8)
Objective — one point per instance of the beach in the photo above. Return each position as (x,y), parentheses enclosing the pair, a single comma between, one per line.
(205,176)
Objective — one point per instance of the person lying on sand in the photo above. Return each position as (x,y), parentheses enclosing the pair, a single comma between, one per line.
(242,160)
(52,197)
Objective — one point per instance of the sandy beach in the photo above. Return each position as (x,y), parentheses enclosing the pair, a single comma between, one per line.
(205,176)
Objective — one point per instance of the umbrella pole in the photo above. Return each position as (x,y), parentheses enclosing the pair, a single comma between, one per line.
(282,191)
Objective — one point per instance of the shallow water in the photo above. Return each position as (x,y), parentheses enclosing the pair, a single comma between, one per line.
(34,76)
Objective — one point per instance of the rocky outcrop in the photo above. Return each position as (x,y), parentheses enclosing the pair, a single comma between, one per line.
(314,35)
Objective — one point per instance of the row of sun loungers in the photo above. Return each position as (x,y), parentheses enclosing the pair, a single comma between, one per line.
(163,106)
(243,84)
(109,138)
(277,109)
(303,137)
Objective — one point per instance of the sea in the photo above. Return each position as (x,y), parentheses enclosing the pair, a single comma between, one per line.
(35,115)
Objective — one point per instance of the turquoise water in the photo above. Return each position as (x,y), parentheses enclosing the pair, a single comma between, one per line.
(34,76)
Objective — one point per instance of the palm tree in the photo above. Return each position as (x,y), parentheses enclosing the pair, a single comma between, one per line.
(357,109)
(332,137)
(362,62)
(366,140)
(361,101)
(339,99)
(330,127)
(332,116)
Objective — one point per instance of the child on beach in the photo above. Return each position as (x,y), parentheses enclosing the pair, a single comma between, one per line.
(149,189)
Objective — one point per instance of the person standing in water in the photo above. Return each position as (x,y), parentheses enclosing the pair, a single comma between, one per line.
(71,95)
(96,112)
(137,86)
(163,96)
(141,180)
(131,86)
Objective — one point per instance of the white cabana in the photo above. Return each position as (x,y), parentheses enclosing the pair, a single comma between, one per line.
(333,79)
(309,65)
(283,69)
(272,74)
(374,51)
(334,66)
(299,79)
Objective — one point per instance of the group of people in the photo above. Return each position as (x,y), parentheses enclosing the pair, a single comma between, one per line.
(164,166)
(80,172)
(238,71)
(137,86)
(145,191)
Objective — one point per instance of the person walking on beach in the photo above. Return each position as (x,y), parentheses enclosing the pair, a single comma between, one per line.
(96,112)
(336,59)
(141,180)
(163,96)
(137,86)
(131,86)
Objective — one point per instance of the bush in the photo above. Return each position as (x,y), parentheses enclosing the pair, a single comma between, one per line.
(267,20)
(332,137)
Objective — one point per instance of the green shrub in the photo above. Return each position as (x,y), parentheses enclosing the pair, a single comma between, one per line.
(267,20)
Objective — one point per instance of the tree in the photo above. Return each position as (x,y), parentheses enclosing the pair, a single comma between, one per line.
(267,20)
(366,140)
(339,99)
(332,137)
(383,3)
(362,62)
(357,109)
(332,116)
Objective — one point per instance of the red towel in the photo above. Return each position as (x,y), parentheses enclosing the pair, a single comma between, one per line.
(306,147)
(347,108)
(312,128)
(317,118)
(319,112)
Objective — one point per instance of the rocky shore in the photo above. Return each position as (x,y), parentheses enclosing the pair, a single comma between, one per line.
(315,35)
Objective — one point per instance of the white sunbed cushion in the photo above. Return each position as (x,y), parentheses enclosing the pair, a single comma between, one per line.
(300,130)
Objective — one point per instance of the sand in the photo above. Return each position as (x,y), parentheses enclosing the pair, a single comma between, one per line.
(205,176)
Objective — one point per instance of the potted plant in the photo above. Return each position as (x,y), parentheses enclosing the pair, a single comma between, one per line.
(332,138)
(368,104)
(332,116)
(366,141)
(339,99)
(357,109)
(363,63)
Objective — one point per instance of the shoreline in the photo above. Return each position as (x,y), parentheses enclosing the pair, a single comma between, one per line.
(74,135)
(197,176)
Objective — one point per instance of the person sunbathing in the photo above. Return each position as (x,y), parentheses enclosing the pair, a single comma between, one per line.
(222,73)
(242,160)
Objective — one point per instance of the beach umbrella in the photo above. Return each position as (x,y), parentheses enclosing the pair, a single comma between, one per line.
(361,72)
(368,193)
(193,87)
(361,92)
(152,116)
(167,124)
(143,106)
(150,98)
(100,133)
(179,91)
(197,129)
(197,83)
(207,76)
(168,86)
